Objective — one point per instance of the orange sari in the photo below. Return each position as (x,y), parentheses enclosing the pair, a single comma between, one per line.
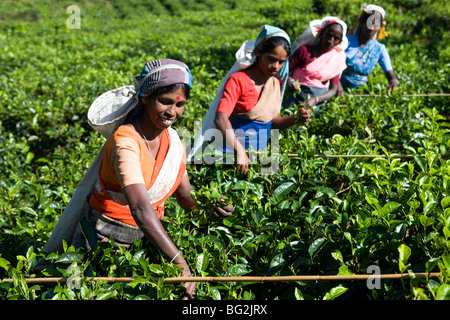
(162,175)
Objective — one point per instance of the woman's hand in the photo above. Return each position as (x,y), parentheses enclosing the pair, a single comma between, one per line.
(242,160)
(393,85)
(303,115)
(311,102)
(292,85)
(188,287)
(392,79)
(340,90)
(222,212)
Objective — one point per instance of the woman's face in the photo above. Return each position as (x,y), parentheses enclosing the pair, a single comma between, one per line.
(369,30)
(330,37)
(161,112)
(272,61)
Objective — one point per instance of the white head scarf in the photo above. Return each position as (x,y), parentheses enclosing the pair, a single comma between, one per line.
(310,35)
(374,9)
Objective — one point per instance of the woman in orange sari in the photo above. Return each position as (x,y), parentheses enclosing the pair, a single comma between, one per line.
(142,163)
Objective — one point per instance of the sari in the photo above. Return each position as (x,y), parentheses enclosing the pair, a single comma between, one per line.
(315,76)
(109,215)
(252,128)
(362,61)
(109,111)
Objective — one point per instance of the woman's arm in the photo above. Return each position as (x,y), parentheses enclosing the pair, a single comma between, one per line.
(311,102)
(224,125)
(393,82)
(185,200)
(148,222)
(183,194)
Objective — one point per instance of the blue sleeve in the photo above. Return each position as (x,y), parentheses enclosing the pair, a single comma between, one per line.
(385,61)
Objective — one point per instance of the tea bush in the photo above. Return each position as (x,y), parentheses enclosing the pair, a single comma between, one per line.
(315,215)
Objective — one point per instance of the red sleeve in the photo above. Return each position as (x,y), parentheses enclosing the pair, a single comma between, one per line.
(299,58)
(231,93)
(335,80)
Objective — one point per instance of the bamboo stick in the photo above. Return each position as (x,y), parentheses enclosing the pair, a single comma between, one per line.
(357,155)
(406,95)
(242,278)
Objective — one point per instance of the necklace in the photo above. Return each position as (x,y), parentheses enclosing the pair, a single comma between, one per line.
(143,136)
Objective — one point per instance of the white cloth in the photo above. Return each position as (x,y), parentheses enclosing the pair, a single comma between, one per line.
(244,59)
(310,35)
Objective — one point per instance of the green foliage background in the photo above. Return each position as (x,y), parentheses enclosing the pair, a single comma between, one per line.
(315,216)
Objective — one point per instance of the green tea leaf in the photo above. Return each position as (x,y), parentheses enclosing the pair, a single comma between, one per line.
(316,246)
(389,207)
(335,292)
(443,293)
(238,270)
(70,257)
(202,262)
(404,254)
(445,202)
(283,190)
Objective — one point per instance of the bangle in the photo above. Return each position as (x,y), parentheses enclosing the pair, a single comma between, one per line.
(175,256)
(317,100)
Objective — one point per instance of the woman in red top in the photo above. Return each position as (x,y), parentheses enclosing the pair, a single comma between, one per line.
(247,105)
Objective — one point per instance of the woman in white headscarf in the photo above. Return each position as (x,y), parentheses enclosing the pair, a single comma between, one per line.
(316,63)
(364,50)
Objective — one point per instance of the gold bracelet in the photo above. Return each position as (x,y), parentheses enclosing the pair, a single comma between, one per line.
(175,256)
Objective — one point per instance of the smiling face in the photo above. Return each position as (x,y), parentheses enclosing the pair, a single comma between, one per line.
(330,37)
(271,62)
(163,110)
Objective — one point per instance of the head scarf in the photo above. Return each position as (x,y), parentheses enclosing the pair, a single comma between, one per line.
(371,8)
(311,34)
(245,57)
(161,73)
(111,109)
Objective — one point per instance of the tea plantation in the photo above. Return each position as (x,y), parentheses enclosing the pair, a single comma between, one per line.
(316,215)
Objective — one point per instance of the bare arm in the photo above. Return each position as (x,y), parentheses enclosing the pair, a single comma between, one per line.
(224,125)
(393,82)
(148,222)
(311,102)
(183,194)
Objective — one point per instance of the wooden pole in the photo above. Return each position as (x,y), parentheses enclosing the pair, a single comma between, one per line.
(406,95)
(242,278)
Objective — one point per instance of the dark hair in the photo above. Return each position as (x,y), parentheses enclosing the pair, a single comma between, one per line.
(274,42)
(366,15)
(170,88)
(139,109)
(332,24)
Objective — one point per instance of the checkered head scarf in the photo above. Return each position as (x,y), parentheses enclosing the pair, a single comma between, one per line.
(161,73)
